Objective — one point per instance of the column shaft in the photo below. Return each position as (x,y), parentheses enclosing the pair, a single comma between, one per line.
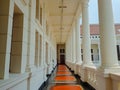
(78,42)
(74,41)
(107,34)
(71,46)
(99,53)
(86,35)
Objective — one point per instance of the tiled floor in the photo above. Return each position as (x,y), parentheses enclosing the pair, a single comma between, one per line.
(63,79)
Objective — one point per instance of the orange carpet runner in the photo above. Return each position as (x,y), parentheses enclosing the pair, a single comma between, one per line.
(63,75)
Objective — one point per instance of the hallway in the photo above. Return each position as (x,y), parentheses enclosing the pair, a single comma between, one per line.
(37,36)
(63,78)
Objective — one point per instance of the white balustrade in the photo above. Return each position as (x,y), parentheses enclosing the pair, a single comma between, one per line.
(91,77)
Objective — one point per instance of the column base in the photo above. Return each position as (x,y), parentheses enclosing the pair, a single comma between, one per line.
(103,81)
(109,69)
(72,66)
(77,69)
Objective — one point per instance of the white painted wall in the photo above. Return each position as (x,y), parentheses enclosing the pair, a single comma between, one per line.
(31,77)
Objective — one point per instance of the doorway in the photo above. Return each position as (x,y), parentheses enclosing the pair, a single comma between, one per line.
(61,54)
(62,59)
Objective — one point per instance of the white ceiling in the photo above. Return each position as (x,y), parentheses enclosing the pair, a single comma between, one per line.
(55,14)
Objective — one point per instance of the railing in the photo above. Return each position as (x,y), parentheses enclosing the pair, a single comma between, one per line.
(91,76)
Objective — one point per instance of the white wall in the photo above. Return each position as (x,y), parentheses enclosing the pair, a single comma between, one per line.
(32,76)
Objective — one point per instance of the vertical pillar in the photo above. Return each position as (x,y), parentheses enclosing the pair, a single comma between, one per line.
(86,35)
(38,51)
(74,47)
(42,52)
(31,39)
(51,52)
(74,41)
(44,40)
(99,53)
(71,47)
(6,19)
(78,42)
(48,63)
(107,34)
(44,57)
(78,46)
(86,45)
(109,61)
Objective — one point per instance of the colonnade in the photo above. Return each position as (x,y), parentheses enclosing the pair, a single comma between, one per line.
(108,53)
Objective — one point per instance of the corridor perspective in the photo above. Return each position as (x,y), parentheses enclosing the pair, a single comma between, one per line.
(51,45)
(63,79)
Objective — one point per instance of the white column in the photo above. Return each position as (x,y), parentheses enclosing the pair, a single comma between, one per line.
(78,42)
(107,35)
(31,40)
(74,41)
(44,52)
(49,61)
(86,34)
(109,61)
(70,55)
(99,53)
(71,46)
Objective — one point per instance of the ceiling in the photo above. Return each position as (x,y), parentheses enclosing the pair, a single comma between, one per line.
(61,15)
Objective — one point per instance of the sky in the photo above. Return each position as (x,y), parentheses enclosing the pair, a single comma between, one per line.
(93,11)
